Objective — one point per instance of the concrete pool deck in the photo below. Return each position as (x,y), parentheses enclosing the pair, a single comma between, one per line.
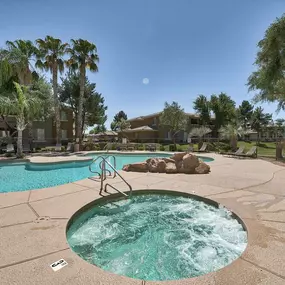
(33,224)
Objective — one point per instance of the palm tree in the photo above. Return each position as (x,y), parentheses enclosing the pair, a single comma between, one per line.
(260,120)
(231,132)
(83,55)
(200,133)
(22,104)
(50,58)
(15,62)
(15,65)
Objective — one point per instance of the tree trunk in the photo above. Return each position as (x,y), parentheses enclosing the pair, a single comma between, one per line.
(83,123)
(56,104)
(20,144)
(80,102)
(279,150)
(20,127)
(233,143)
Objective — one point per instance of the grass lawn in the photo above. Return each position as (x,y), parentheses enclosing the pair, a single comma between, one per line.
(264,148)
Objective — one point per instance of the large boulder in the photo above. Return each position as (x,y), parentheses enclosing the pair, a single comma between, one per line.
(167,159)
(202,168)
(189,163)
(136,167)
(179,163)
(178,156)
(156,165)
(170,167)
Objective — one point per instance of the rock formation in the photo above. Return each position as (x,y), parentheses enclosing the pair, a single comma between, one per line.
(181,162)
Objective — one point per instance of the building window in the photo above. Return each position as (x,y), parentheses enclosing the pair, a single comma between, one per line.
(63,116)
(40,134)
(63,134)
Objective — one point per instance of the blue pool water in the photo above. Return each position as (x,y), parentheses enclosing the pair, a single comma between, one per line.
(157,237)
(25,176)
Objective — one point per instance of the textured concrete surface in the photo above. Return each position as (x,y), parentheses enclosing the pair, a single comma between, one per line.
(33,223)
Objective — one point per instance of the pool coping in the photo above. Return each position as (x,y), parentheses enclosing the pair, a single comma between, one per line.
(261,262)
(80,157)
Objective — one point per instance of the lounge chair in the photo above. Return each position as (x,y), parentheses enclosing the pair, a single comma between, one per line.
(152,147)
(58,147)
(122,147)
(130,147)
(203,147)
(9,148)
(147,147)
(238,152)
(251,153)
(69,147)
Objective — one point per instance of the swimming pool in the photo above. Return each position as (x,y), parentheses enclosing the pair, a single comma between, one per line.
(156,235)
(24,176)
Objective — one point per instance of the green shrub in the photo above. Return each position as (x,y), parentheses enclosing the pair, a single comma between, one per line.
(21,156)
(90,146)
(102,145)
(173,147)
(113,146)
(9,154)
(63,148)
(141,147)
(179,148)
(162,148)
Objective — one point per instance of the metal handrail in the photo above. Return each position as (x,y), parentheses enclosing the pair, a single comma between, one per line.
(93,161)
(114,165)
(130,187)
(103,177)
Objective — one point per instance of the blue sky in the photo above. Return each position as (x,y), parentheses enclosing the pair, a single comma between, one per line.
(184,47)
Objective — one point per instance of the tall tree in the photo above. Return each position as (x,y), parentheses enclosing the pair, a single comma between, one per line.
(117,118)
(94,109)
(244,113)
(16,62)
(279,127)
(173,117)
(98,129)
(122,126)
(23,105)
(16,66)
(279,122)
(202,106)
(260,120)
(83,55)
(269,78)
(50,58)
(224,109)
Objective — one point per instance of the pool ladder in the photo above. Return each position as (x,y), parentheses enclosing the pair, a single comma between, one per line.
(103,174)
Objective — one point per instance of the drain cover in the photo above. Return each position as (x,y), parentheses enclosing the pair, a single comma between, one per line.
(40,219)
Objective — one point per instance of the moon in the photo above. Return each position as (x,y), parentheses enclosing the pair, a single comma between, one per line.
(145,81)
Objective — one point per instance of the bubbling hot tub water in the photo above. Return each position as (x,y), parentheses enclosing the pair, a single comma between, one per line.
(157,237)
